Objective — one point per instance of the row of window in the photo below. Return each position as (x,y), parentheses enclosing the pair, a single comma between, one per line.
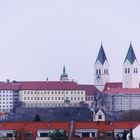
(5,102)
(49,104)
(127,70)
(5,110)
(89,98)
(98,71)
(5,98)
(53,92)
(5,106)
(53,98)
(6,95)
(6,91)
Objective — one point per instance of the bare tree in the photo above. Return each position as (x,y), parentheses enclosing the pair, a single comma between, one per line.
(100,100)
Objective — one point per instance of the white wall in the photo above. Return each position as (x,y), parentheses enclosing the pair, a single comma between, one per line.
(104,77)
(131,80)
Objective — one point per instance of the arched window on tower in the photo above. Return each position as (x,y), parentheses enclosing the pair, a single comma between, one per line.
(128,70)
(96,71)
(136,70)
(125,70)
(99,71)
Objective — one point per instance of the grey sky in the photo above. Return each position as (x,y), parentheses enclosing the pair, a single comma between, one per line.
(37,37)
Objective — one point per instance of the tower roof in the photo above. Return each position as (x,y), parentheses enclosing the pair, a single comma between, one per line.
(64,75)
(130,55)
(101,55)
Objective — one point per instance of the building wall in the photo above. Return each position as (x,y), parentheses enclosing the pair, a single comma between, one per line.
(99,116)
(123,102)
(101,74)
(131,76)
(6,100)
(51,98)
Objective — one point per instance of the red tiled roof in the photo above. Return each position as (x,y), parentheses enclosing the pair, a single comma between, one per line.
(112,85)
(49,85)
(105,126)
(34,126)
(90,89)
(123,90)
(9,86)
(40,85)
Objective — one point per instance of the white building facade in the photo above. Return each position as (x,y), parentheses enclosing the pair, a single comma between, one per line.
(9,96)
(130,70)
(123,99)
(51,94)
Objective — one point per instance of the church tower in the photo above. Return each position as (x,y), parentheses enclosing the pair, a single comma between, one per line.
(130,70)
(64,76)
(101,69)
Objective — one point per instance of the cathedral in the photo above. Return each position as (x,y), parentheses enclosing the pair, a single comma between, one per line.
(124,95)
(130,70)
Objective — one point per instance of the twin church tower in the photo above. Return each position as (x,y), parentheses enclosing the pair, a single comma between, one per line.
(130,70)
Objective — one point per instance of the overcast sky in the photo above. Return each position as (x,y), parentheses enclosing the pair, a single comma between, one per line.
(37,37)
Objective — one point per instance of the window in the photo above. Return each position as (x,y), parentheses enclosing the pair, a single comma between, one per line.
(99,71)
(125,70)
(136,70)
(99,116)
(96,71)
(128,70)
(28,135)
(43,134)
(9,135)
(105,71)
(108,134)
(85,134)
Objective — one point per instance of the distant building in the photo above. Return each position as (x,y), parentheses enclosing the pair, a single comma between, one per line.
(122,99)
(98,115)
(51,94)
(55,94)
(9,96)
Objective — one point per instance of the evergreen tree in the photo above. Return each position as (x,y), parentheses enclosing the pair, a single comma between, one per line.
(37,118)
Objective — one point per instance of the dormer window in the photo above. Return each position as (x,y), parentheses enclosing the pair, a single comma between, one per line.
(100,117)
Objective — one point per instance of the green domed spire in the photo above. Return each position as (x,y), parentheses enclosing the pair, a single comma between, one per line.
(64,75)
